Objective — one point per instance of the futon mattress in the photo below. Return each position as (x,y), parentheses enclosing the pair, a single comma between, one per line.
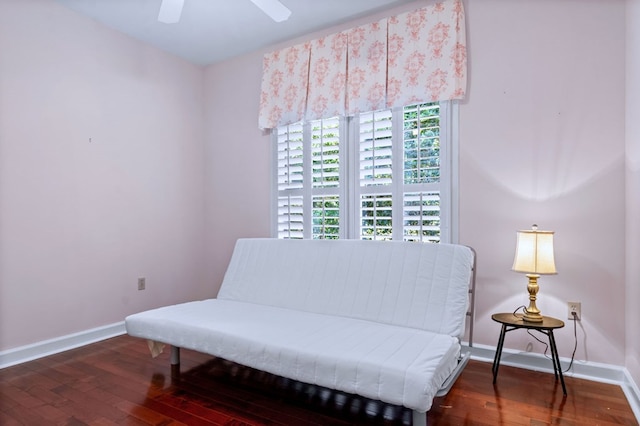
(395,364)
(395,282)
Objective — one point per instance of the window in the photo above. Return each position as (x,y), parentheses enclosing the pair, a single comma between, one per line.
(377,176)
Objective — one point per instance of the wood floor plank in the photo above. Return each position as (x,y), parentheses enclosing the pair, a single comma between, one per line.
(116,382)
(509,402)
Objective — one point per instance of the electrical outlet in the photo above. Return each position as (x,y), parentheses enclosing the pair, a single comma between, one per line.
(141,283)
(574,307)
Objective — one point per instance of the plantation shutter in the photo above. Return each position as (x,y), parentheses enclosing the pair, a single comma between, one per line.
(290,173)
(422,173)
(309,180)
(378,176)
(325,160)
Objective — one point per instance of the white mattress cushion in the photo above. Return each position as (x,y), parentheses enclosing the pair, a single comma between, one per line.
(418,285)
(398,365)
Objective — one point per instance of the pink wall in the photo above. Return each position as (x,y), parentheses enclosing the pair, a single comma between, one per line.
(541,140)
(633,189)
(80,221)
(238,155)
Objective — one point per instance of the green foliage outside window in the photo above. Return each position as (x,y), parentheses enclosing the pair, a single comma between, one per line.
(421,143)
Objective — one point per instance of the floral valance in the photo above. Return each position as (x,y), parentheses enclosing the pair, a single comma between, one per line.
(418,56)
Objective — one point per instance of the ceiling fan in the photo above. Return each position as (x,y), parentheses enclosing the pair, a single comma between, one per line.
(170,10)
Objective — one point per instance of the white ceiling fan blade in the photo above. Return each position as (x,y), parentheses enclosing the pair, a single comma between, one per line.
(276,10)
(170,11)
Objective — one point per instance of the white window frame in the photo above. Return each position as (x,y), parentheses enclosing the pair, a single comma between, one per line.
(349,193)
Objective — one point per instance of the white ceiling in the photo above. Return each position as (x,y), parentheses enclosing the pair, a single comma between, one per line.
(211,31)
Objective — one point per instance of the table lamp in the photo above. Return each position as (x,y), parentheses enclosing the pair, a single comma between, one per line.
(534,257)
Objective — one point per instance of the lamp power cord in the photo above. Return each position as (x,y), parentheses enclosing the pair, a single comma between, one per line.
(575,339)
(546,345)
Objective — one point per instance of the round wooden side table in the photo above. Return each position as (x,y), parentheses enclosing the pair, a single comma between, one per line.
(511,321)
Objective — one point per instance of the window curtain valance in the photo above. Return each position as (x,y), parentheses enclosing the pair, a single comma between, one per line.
(418,56)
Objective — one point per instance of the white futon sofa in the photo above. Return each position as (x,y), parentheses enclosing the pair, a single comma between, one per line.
(380,319)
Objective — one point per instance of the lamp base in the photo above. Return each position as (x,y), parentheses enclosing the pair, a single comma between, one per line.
(532,313)
(531,316)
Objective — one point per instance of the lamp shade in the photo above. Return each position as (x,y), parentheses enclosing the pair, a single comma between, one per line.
(534,252)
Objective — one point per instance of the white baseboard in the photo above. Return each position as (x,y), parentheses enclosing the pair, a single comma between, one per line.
(59,344)
(632,392)
(598,372)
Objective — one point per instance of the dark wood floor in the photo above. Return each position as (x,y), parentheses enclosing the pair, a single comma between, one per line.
(115,382)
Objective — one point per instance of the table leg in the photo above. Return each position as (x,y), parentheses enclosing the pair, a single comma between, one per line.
(556,365)
(496,359)
(556,361)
